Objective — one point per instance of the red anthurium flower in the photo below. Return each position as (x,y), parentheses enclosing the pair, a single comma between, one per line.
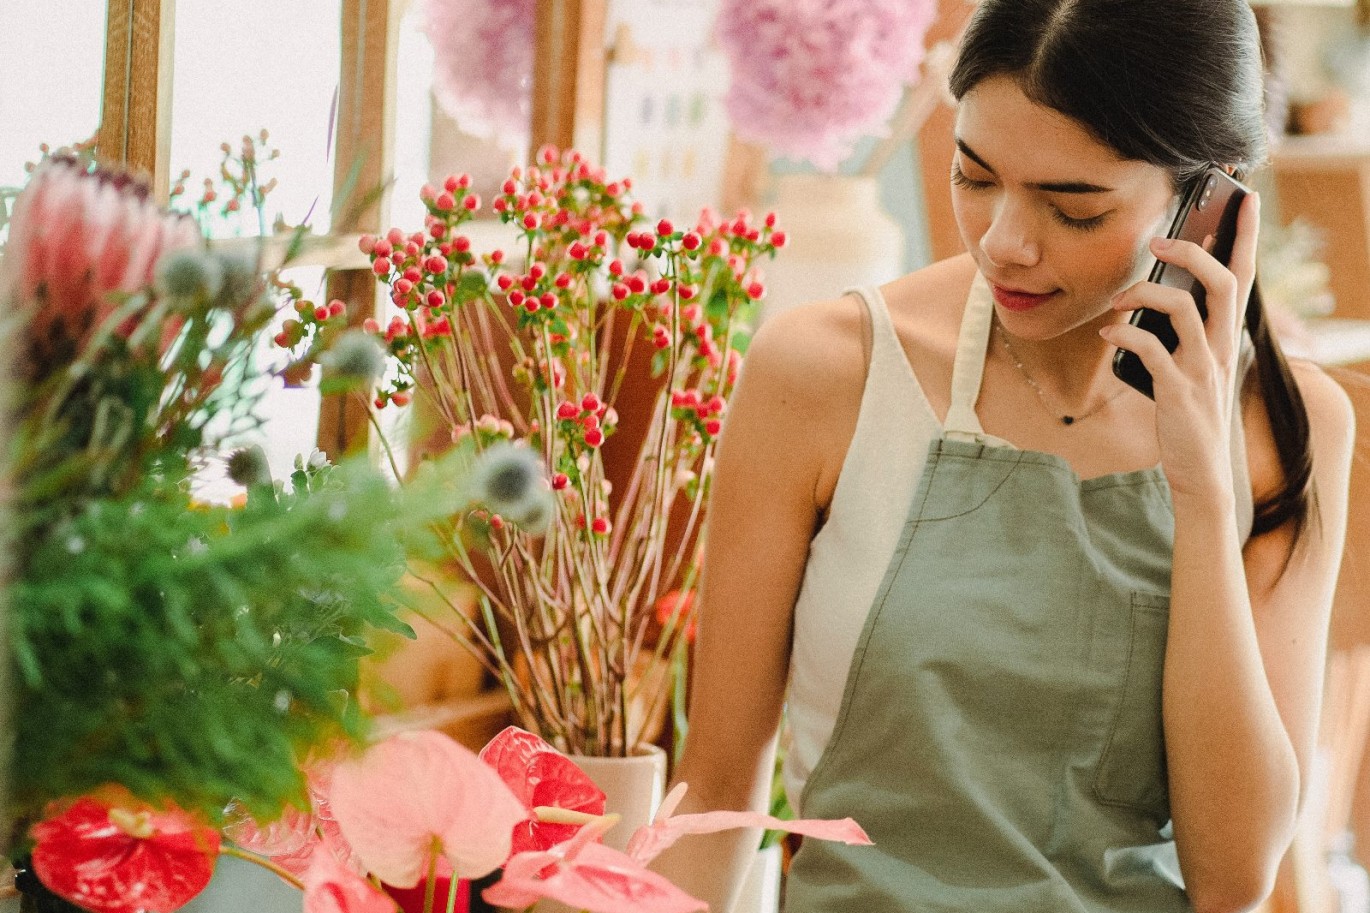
(411,900)
(331,887)
(418,792)
(586,875)
(115,854)
(541,777)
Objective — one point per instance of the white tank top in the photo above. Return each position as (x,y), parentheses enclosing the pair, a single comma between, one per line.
(849,555)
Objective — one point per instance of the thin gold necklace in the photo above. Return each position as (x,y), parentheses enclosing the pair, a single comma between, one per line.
(1066,418)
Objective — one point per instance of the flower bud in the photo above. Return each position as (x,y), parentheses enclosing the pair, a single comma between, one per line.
(248,467)
(189,274)
(356,356)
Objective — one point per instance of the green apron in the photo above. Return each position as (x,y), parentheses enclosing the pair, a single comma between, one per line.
(1000,735)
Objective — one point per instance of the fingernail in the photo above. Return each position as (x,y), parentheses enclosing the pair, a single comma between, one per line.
(1162,243)
(1106,332)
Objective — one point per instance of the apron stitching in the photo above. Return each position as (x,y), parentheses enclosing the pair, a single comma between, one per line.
(983,501)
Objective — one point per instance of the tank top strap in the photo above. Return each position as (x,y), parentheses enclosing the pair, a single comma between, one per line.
(969,367)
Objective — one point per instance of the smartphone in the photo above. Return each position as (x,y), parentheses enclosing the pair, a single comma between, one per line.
(1208,217)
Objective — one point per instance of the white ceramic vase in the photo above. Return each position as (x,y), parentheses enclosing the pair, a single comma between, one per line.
(761,890)
(839,236)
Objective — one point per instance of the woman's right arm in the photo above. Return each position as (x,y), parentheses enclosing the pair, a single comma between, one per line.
(794,398)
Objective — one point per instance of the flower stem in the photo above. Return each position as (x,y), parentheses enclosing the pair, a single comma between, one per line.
(287,876)
(452,893)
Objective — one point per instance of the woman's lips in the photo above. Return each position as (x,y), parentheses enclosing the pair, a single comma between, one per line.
(1019,301)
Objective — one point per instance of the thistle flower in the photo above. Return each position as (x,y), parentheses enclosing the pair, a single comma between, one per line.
(356,356)
(510,481)
(811,77)
(189,275)
(248,467)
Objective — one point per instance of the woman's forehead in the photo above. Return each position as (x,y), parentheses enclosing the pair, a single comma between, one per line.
(1010,131)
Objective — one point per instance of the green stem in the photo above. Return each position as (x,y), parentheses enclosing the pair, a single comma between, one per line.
(227,850)
(452,893)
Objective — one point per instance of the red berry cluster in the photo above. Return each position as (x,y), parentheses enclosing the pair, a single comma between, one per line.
(587,422)
(705,415)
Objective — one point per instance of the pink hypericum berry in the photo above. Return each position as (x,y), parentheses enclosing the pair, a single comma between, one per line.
(599,526)
(395,236)
(531,305)
(400,399)
(496,257)
(662,341)
(397,257)
(756,291)
(233,206)
(533,200)
(707,349)
(715,405)
(471,203)
(531,221)
(412,249)
(501,204)
(770,220)
(549,301)
(779,239)
(435,264)
(282,340)
(382,247)
(537,271)
(590,403)
(403,286)
(559,481)
(568,411)
(427,192)
(580,521)
(496,522)
(687,292)
(620,291)
(367,243)
(336,308)
(436,299)
(601,239)
(451,184)
(613,189)
(631,239)
(754,235)
(379,402)
(713,426)
(529,282)
(437,230)
(717,247)
(691,241)
(381,267)
(505,281)
(509,188)
(637,284)
(371,325)
(577,251)
(413,274)
(563,280)
(461,244)
(591,422)
(445,202)
(594,437)
(516,297)
(664,228)
(661,286)
(690,313)
(616,267)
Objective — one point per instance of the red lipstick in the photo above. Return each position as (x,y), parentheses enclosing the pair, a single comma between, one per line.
(1014,300)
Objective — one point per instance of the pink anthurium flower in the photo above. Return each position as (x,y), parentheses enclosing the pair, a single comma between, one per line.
(421,792)
(541,777)
(653,839)
(587,875)
(331,887)
(112,853)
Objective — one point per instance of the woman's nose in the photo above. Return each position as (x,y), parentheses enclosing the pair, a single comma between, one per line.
(1009,240)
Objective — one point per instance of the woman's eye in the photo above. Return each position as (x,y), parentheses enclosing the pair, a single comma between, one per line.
(1079,224)
(958,177)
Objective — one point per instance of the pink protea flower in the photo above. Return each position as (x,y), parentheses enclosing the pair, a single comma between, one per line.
(111,853)
(483,64)
(810,77)
(79,238)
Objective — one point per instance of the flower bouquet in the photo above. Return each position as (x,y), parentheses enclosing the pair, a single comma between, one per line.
(164,656)
(523,357)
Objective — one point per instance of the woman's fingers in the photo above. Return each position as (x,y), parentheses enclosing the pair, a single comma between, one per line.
(1162,367)
(1177,305)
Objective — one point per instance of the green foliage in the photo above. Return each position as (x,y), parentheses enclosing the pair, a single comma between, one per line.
(195,653)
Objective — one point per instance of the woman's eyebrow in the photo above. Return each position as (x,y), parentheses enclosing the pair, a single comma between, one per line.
(1048,186)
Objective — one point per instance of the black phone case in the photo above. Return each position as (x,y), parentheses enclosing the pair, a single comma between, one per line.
(1208,217)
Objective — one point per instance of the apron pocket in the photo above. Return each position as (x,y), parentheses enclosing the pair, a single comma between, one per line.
(1132,770)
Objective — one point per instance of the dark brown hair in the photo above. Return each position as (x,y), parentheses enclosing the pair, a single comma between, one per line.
(1175,83)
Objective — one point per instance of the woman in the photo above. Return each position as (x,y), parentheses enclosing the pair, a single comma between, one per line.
(1056,646)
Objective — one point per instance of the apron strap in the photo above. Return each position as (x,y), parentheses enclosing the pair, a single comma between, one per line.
(969,367)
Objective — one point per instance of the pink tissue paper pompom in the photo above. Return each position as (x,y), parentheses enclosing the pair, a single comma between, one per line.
(811,77)
(483,65)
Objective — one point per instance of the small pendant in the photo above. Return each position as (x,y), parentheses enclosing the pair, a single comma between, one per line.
(1067,420)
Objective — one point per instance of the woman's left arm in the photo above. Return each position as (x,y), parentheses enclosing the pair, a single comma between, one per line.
(1244,678)
(1247,637)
